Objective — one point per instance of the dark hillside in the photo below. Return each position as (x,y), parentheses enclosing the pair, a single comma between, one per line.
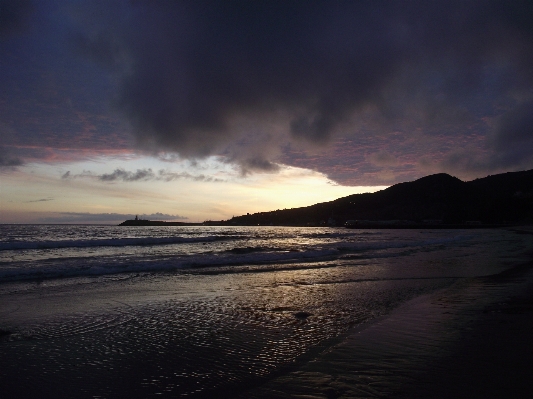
(505,197)
(439,198)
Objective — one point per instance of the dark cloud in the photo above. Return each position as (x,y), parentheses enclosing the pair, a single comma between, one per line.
(166,175)
(86,173)
(13,15)
(121,174)
(516,126)
(252,164)
(513,138)
(140,175)
(383,159)
(9,162)
(191,72)
(440,85)
(509,146)
(42,200)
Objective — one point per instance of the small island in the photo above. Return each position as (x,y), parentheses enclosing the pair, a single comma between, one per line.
(144,222)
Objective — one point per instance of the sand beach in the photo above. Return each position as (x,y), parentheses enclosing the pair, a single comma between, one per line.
(472,340)
(350,314)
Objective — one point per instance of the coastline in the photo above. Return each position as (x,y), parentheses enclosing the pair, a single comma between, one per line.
(470,340)
(202,332)
(374,225)
(142,222)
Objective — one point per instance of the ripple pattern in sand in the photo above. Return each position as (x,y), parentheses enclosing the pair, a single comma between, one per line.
(190,348)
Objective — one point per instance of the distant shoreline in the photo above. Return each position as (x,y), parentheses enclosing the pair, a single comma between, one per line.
(367,225)
(141,222)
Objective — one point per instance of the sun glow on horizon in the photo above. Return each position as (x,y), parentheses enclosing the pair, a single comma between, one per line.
(209,190)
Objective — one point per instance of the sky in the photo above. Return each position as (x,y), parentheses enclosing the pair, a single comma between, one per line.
(204,110)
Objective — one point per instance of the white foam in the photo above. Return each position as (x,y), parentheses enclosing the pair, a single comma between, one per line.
(105,265)
(110,242)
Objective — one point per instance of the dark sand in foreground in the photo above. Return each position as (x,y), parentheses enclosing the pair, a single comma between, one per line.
(469,337)
(472,340)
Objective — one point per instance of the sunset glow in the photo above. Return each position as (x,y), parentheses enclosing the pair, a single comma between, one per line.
(202,110)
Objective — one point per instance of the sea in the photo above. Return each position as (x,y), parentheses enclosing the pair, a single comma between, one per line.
(209,311)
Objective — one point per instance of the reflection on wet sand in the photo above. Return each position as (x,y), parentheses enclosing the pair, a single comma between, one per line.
(356,326)
(470,340)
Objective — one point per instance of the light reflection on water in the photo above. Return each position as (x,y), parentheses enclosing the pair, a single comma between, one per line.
(210,330)
(238,331)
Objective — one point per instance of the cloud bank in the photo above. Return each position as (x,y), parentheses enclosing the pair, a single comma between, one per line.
(9,162)
(402,87)
(13,15)
(244,79)
(123,175)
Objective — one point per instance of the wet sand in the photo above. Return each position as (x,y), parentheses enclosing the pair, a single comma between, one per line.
(472,340)
(402,327)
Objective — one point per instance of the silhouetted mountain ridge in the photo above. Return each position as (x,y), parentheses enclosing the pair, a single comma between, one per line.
(438,198)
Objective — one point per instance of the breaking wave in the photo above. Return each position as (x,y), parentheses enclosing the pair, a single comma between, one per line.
(237,254)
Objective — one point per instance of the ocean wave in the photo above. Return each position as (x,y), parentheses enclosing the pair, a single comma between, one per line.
(344,234)
(109,242)
(238,256)
(364,246)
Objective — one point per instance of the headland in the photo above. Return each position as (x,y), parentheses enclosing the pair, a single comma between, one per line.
(142,222)
(437,201)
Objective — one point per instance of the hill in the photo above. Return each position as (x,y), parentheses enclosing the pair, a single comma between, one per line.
(435,199)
